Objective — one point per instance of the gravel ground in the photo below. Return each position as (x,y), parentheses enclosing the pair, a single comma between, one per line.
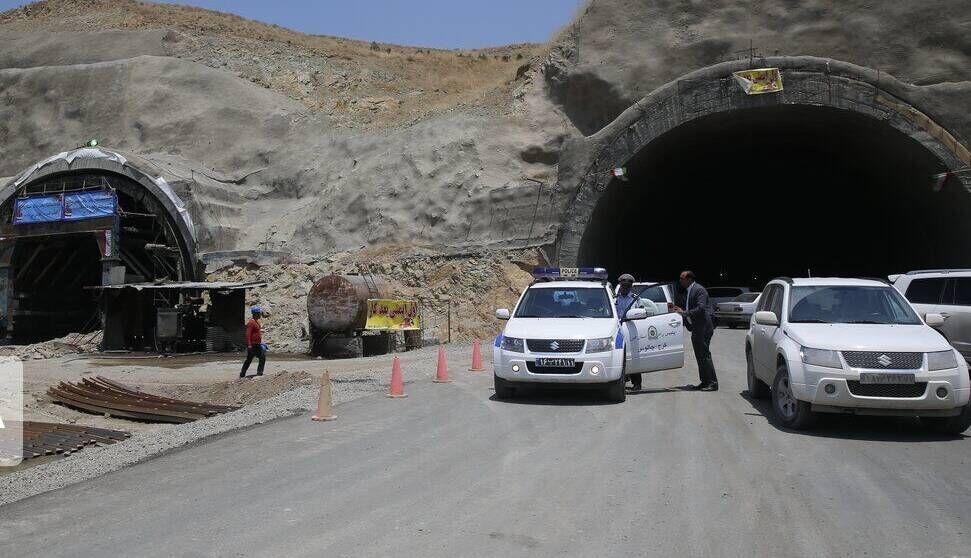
(351,379)
(94,462)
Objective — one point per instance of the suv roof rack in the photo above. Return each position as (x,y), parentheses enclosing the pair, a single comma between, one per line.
(922,271)
(880,279)
(786,279)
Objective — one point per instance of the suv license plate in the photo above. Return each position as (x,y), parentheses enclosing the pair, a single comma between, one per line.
(555,362)
(871,378)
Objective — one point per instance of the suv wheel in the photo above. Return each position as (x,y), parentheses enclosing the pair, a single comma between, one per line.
(503,389)
(950,425)
(616,391)
(757,389)
(790,412)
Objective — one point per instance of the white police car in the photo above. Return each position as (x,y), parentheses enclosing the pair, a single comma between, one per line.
(565,330)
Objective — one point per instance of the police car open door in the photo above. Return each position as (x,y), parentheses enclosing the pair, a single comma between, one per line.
(659,342)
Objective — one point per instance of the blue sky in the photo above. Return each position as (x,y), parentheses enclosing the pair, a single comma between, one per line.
(432,23)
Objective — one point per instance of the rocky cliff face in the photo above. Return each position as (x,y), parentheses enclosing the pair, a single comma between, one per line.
(618,51)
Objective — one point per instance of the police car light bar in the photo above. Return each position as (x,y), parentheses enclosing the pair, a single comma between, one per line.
(567,273)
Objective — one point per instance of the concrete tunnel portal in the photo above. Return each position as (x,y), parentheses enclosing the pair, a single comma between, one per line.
(752,189)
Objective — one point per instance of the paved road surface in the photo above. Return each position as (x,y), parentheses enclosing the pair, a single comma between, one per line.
(450,472)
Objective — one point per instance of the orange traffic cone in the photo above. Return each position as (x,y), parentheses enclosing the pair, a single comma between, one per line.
(397,381)
(476,357)
(324,411)
(441,376)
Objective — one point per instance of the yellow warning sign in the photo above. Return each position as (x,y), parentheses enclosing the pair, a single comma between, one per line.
(760,80)
(394,315)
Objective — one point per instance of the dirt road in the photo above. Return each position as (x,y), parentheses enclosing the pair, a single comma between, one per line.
(449,471)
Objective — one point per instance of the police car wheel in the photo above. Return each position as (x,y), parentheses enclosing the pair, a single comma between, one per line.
(616,391)
(503,389)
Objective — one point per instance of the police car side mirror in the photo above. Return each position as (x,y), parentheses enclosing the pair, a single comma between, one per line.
(502,314)
(635,314)
(934,320)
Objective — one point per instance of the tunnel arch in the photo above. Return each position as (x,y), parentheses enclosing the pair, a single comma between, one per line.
(709,100)
(48,266)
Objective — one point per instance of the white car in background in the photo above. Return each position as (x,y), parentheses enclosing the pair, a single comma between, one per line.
(737,312)
(946,292)
(565,330)
(853,346)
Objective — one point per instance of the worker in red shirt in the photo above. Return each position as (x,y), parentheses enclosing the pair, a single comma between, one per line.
(254,343)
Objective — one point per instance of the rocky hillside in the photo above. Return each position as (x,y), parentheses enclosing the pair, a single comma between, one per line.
(357,84)
(301,143)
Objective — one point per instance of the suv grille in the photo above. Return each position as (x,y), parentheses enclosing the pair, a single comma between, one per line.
(884,361)
(887,390)
(555,345)
(575,369)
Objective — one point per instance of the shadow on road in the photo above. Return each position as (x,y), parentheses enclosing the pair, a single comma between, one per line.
(572,395)
(856,427)
(674,389)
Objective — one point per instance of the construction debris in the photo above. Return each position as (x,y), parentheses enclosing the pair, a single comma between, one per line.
(48,438)
(104,396)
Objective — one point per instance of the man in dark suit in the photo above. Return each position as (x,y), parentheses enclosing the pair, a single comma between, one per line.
(697,318)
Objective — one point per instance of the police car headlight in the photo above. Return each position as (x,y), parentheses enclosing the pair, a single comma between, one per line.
(942,360)
(513,344)
(821,357)
(600,345)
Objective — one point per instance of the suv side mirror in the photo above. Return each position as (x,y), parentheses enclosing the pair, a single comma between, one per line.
(934,320)
(502,314)
(636,314)
(766,318)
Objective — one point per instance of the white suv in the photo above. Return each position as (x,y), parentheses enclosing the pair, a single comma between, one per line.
(946,292)
(852,346)
(565,330)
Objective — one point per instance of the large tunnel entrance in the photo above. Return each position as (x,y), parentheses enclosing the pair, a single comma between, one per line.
(745,195)
(65,234)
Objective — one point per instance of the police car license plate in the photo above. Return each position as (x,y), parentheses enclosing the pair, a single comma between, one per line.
(872,378)
(555,362)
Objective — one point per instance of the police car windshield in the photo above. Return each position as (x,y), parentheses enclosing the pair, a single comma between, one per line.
(849,305)
(566,302)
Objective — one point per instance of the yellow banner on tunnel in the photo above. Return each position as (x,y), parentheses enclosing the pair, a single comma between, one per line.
(394,315)
(760,80)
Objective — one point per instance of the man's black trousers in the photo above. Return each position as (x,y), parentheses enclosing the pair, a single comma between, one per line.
(701,343)
(254,351)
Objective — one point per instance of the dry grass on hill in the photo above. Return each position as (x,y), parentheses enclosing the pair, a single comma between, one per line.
(357,83)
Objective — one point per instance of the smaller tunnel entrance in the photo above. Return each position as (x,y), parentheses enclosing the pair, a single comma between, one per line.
(65,234)
(747,195)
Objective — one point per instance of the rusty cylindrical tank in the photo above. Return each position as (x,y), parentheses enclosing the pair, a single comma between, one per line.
(338,303)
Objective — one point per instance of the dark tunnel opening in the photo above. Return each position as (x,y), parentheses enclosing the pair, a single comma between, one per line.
(748,195)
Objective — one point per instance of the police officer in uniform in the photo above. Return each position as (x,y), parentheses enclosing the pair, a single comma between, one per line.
(625,301)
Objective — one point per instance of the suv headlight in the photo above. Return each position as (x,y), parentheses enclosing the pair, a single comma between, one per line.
(600,345)
(821,357)
(513,344)
(941,360)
